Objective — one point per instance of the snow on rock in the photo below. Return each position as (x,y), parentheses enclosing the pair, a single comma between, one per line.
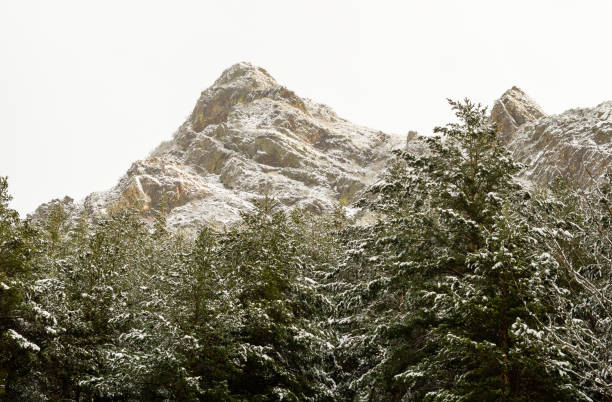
(576,144)
(513,109)
(247,137)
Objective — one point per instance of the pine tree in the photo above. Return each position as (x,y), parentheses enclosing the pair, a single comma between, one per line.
(18,351)
(574,226)
(281,349)
(56,226)
(447,282)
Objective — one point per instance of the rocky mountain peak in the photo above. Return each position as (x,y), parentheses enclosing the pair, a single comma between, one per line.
(576,144)
(248,136)
(245,75)
(512,110)
(241,83)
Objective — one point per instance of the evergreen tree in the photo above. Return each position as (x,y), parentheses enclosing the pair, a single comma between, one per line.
(18,351)
(468,287)
(447,283)
(56,225)
(574,226)
(282,352)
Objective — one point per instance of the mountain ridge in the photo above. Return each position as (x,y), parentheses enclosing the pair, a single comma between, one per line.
(575,145)
(248,136)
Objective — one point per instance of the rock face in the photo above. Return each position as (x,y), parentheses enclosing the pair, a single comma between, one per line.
(512,110)
(576,144)
(249,136)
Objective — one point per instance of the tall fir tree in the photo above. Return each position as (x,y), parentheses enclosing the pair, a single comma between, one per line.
(282,351)
(19,352)
(446,284)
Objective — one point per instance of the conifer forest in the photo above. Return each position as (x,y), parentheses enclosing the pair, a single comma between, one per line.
(465,284)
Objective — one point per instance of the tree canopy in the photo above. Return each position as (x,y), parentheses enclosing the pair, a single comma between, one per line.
(466,286)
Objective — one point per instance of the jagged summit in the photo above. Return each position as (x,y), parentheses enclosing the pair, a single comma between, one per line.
(245,74)
(248,136)
(513,109)
(576,144)
(241,83)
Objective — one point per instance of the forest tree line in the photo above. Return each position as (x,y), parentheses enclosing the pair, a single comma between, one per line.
(468,286)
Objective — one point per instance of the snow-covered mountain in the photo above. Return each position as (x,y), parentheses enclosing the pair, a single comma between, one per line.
(576,144)
(248,136)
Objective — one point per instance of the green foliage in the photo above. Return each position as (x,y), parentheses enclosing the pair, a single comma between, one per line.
(442,298)
(468,287)
(121,310)
(282,349)
(575,228)
(17,351)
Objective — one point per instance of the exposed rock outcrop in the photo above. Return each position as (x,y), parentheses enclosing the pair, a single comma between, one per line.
(512,110)
(576,144)
(248,136)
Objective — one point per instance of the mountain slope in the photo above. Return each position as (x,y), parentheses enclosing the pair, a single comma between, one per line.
(249,136)
(576,144)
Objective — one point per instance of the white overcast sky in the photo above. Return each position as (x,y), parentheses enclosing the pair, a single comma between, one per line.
(88,87)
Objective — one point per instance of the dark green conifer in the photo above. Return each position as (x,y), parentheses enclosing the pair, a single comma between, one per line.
(448,282)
